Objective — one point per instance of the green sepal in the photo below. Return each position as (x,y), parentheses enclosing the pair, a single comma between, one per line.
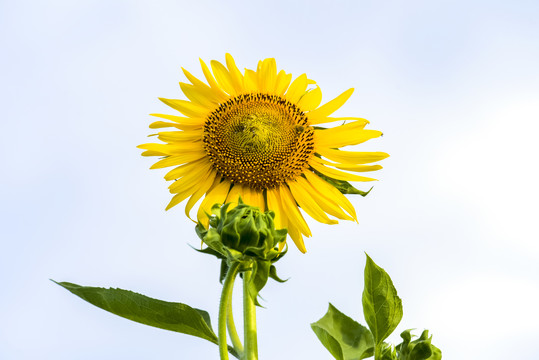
(259,278)
(344,338)
(209,251)
(382,307)
(388,352)
(419,349)
(223,271)
(165,315)
(273,274)
(343,186)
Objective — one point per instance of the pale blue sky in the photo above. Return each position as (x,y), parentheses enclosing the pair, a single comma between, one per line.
(454,86)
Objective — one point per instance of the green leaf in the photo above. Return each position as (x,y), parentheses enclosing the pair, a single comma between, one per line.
(145,310)
(381,305)
(343,186)
(343,337)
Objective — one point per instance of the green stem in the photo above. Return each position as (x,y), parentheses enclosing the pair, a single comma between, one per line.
(236,342)
(249,320)
(377,352)
(223,307)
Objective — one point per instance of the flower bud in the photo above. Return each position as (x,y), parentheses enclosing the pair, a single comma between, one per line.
(243,231)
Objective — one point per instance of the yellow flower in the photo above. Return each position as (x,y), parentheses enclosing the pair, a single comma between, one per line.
(256,135)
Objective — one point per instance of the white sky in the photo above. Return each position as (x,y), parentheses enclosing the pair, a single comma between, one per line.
(454,86)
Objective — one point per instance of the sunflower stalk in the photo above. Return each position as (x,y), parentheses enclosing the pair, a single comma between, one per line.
(234,337)
(226,298)
(249,320)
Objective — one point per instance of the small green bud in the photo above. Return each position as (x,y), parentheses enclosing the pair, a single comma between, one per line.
(247,235)
(419,349)
(244,230)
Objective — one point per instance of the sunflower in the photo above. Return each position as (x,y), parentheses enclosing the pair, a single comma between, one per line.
(256,135)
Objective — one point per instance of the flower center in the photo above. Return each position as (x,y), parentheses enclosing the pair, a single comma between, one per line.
(259,140)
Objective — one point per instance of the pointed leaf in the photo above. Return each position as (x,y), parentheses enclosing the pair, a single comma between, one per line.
(381,305)
(344,338)
(145,310)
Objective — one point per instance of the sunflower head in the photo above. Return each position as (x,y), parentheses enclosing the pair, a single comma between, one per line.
(256,134)
(258,140)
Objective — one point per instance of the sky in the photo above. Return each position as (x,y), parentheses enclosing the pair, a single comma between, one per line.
(453,85)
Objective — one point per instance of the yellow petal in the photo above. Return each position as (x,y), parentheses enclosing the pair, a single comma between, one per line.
(355,125)
(308,204)
(192,177)
(346,118)
(194,80)
(178,159)
(352,157)
(188,186)
(351,167)
(320,115)
(282,82)
(235,74)
(337,174)
(233,196)
(310,100)
(297,89)
(250,81)
(330,191)
(282,220)
(274,204)
(327,203)
(245,194)
(206,184)
(185,169)
(185,148)
(292,211)
(257,199)
(216,196)
(342,136)
(182,136)
(267,76)
(223,77)
(297,238)
(179,197)
(160,149)
(213,84)
(186,107)
(293,230)
(187,121)
(333,119)
(203,97)
(164,124)
(151,153)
